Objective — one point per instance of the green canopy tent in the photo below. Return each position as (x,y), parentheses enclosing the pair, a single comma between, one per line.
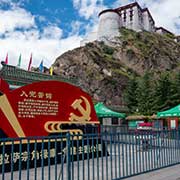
(173,112)
(103,111)
(172,115)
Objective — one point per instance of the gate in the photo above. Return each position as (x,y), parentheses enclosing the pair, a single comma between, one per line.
(106,156)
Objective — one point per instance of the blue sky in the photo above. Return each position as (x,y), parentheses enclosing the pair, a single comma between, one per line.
(48,28)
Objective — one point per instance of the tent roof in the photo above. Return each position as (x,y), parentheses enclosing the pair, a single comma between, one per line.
(141,117)
(175,111)
(103,111)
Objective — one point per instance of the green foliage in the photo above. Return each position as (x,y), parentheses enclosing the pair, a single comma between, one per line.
(127,32)
(121,72)
(149,94)
(130,95)
(90,45)
(175,98)
(145,43)
(108,50)
(145,94)
(163,92)
(171,36)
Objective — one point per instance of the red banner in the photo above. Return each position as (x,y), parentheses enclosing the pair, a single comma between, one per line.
(42,108)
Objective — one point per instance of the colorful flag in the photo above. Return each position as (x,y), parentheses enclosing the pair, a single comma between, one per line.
(6,60)
(30,62)
(19,61)
(41,68)
(51,70)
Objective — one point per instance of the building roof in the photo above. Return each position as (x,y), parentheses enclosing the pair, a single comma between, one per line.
(163,29)
(19,77)
(131,5)
(140,117)
(103,111)
(128,6)
(108,10)
(121,8)
(173,112)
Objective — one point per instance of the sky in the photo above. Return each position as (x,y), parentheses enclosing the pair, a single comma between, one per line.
(48,28)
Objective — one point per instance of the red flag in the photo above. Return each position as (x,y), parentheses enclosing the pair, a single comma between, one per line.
(30,61)
(6,60)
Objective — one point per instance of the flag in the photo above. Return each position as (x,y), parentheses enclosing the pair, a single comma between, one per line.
(19,61)
(30,62)
(51,70)
(6,60)
(41,68)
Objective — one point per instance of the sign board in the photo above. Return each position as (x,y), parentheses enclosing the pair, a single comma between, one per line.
(43,108)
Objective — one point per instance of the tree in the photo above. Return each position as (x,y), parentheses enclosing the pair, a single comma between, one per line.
(175,90)
(163,92)
(130,94)
(145,94)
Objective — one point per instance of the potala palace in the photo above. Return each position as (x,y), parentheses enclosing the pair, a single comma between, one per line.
(131,16)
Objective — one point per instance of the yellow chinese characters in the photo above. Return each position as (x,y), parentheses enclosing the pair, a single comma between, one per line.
(34,94)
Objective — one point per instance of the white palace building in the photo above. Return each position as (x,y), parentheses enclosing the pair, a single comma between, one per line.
(130,16)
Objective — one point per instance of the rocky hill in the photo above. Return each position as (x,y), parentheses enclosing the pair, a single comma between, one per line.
(103,70)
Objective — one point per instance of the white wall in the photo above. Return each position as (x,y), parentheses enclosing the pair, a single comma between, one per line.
(109,24)
(136,22)
(159,31)
(148,23)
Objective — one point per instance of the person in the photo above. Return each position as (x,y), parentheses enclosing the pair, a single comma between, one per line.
(145,144)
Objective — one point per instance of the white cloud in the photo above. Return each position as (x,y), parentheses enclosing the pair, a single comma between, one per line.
(119,3)
(88,8)
(45,45)
(15,18)
(43,49)
(166,13)
(76,25)
(52,32)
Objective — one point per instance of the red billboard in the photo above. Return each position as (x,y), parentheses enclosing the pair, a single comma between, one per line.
(42,108)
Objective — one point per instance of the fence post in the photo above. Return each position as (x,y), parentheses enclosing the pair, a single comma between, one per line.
(68,155)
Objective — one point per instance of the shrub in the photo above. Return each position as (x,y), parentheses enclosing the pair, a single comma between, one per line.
(108,50)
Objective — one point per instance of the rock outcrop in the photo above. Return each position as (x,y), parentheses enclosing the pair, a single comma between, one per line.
(103,70)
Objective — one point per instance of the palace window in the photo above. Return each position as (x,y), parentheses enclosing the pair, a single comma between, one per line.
(131,14)
(124,16)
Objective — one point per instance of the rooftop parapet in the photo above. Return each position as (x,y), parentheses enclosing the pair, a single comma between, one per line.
(20,77)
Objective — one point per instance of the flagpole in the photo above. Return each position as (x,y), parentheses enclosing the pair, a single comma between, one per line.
(6,60)
(19,61)
(30,62)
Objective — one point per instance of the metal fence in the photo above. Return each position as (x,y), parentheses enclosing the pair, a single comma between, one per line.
(105,156)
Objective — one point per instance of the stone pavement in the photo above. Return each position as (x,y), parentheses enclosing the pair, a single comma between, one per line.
(170,173)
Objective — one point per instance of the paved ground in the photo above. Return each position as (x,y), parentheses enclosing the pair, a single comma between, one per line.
(170,173)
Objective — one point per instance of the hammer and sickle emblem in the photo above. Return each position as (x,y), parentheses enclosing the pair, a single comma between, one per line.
(85,112)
